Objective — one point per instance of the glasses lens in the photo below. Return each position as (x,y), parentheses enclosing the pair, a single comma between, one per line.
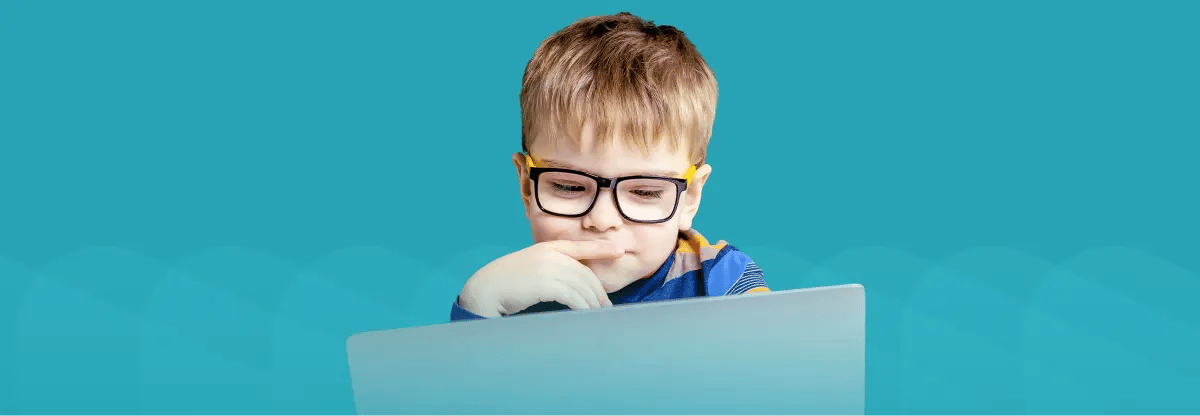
(647,199)
(565,193)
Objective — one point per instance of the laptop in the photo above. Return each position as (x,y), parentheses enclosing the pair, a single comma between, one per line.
(787,352)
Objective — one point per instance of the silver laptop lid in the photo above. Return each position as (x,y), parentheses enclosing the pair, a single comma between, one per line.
(796,351)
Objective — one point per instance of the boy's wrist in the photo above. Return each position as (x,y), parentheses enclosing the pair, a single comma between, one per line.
(472,305)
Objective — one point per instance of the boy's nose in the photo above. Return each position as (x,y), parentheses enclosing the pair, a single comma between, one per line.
(604,214)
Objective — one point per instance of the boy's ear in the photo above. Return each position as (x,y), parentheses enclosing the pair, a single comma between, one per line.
(689,203)
(523,176)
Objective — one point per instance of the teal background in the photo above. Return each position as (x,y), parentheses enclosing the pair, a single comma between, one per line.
(200,201)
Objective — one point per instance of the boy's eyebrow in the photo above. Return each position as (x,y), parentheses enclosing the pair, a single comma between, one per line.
(664,173)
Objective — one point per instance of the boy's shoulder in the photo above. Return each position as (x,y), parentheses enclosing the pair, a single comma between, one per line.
(720,267)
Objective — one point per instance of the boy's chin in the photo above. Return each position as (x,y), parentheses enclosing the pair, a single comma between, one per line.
(613,274)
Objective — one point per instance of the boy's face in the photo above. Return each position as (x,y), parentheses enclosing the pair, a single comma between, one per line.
(646,245)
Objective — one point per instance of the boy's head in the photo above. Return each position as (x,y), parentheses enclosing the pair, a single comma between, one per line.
(615,97)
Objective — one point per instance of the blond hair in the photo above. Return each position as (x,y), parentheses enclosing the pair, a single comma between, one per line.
(626,76)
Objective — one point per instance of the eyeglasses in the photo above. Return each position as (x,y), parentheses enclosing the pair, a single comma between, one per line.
(640,199)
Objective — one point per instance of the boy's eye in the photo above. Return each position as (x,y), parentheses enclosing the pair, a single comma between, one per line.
(567,187)
(647,193)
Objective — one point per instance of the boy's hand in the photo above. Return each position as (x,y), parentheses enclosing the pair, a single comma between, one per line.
(544,272)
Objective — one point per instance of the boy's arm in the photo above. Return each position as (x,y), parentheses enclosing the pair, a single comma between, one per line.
(735,273)
(751,281)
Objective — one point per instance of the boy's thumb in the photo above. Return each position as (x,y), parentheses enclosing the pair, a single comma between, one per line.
(586,250)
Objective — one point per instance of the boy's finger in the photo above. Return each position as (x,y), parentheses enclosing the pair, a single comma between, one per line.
(592,281)
(587,250)
(566,295)
(580,286)
(587,278)
(599,289)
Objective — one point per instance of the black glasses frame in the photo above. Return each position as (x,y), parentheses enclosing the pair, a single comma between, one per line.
(534,173)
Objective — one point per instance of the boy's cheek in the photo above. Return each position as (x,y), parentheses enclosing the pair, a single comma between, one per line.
(547,228)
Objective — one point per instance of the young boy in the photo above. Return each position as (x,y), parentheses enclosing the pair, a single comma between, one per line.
(616,114)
